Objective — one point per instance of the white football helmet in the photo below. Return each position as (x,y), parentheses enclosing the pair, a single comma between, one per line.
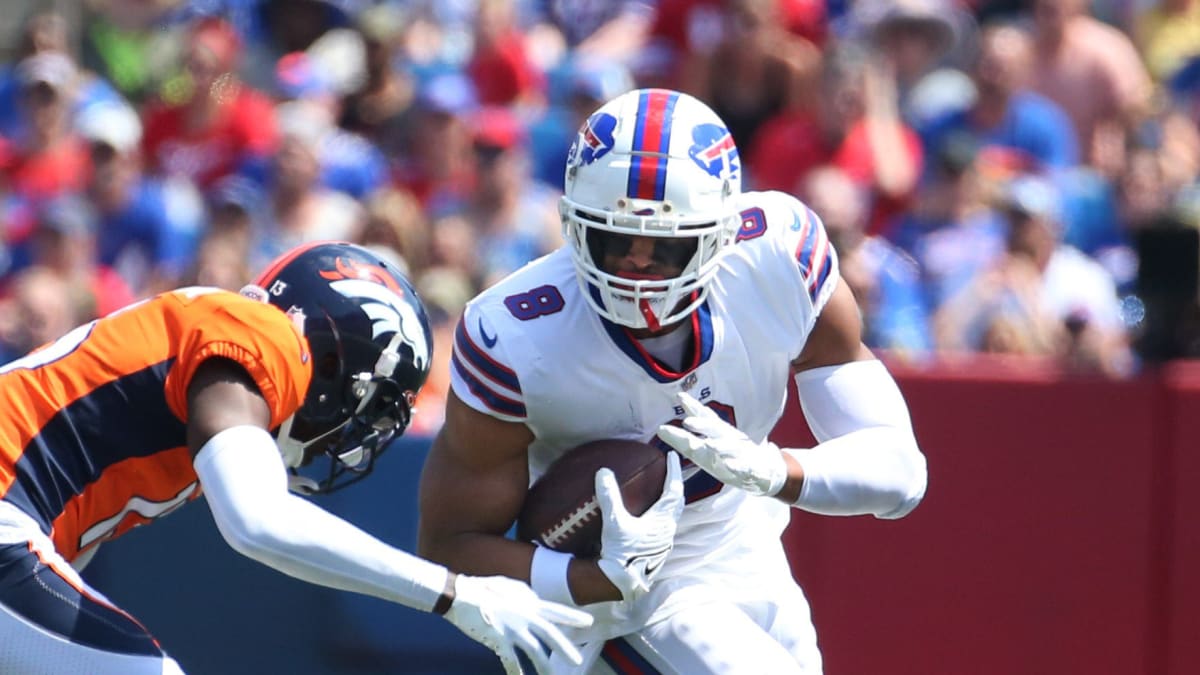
(652,163)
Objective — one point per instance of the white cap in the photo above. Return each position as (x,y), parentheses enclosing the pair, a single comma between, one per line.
(113,123)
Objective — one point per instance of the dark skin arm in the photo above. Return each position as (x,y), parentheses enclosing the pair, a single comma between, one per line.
(222,395)
(472,487)
(836,338)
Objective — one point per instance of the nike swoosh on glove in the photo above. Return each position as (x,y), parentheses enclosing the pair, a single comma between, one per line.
(505,614)
(724,451)
(633,548)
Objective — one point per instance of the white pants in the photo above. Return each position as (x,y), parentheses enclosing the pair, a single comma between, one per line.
(53,623)
(721,637)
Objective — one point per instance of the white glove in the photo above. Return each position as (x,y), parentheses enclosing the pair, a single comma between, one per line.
(724,451)
(633,548)
(505,614)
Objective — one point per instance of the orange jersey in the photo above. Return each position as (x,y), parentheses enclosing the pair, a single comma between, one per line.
(93,438)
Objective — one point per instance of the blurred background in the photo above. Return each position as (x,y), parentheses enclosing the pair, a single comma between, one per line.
(1012,187)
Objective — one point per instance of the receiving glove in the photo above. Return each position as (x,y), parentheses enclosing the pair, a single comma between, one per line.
(634,548)
(724,451)
(505,614)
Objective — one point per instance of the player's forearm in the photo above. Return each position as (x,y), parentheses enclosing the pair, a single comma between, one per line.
(867,460)
(876,471)
(486,555)
(246,489)
(306,542)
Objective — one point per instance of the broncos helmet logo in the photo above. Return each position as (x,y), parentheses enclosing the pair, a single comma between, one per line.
(377,291)
(713,150)
(595,138)
(387,314)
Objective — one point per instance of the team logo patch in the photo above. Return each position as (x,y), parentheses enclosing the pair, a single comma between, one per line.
(595,138)
(714,151)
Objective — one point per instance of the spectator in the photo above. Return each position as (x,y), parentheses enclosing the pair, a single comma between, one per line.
(49,159)
(349,162)
(855,127)
(1006,116)
(397,230)
(1168,35)
(148,228)
(950,229)
(1042,297)
(64,242)
(36,311)
(884,279)
(752,69)
(221,125)
(46,32)
(515,219)
(133,45)
(916,36)
(299,207)
(1093,72)
(580,86)
(380,109)
(438,170)
(614,30)
(286,26)
(500,66)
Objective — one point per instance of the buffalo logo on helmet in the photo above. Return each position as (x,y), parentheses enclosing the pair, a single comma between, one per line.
(714,151)
(595,139)
(378,295)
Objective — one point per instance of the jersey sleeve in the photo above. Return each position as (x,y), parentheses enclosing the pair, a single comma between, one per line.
(811,252)
(256,336)
(480,371)
(802,242)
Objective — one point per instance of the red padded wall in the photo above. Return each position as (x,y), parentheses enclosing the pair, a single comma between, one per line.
(1035,550)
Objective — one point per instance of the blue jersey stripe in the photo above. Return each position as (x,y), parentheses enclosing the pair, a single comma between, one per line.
(466,347)
(493,400)
(128,417)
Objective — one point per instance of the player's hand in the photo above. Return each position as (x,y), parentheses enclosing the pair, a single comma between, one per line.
(724,451)
(633,548)
(505,615)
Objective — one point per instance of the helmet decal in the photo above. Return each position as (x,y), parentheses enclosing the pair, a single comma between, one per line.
(349,268)
(387,315)
(595,139)
(713,150)
(651,143)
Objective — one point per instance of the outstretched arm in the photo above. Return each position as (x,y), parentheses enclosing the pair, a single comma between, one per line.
(246,485)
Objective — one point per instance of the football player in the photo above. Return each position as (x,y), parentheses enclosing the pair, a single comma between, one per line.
(675,313)
(198,390)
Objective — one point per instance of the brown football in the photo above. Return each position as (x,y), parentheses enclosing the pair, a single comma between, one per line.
(561,510)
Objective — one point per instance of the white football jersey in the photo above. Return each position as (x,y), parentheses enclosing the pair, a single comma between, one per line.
(531,350)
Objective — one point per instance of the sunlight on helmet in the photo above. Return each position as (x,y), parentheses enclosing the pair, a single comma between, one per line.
(659,164)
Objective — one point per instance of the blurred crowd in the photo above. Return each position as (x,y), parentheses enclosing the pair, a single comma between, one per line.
(985,168)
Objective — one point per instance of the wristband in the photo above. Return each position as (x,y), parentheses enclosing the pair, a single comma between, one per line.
(548,575)
(447,597)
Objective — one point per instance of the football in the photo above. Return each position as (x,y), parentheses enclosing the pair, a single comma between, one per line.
(561,510)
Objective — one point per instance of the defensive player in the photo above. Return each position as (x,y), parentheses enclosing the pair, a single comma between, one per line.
(675,313)
(126,418)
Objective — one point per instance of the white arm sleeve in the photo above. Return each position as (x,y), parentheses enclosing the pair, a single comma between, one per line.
(867,459)
(245,483)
